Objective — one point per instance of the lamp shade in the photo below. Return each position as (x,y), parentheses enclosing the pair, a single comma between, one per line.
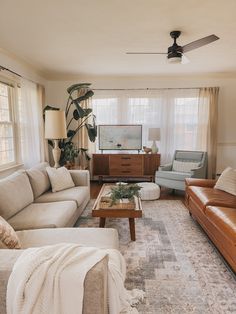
(154,134)
(55,124)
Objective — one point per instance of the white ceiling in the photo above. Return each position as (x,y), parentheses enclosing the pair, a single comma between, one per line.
(73,37)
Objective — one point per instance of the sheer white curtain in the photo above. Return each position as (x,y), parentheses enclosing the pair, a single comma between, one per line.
(175,111)
(31,124)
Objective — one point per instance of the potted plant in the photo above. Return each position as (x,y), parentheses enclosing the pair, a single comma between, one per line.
(124,193)
(69,153)
(78,117)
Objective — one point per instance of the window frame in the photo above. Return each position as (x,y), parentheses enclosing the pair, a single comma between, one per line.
(14,121)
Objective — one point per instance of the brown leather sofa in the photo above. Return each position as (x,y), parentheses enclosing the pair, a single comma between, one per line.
(215,210)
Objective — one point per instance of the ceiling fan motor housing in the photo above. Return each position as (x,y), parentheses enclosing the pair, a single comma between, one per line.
(175,51)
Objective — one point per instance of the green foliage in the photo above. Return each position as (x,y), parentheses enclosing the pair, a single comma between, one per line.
(81,116)
(124,191)
(69,152)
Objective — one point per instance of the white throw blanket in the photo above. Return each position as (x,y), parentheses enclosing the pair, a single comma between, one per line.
(50,279)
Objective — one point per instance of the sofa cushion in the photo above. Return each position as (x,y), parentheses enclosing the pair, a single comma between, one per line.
(97,237)
(224,218)
(77,194)
(207,196)
(15,194)
(173,175)
(39,179)
(44,215)
(227,181)
(8,236)
(60,178)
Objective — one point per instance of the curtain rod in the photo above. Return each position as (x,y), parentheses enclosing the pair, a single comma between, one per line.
(147,89)
(6,69)
(2,68)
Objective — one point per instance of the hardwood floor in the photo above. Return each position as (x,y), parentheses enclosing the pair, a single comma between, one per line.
(166,194)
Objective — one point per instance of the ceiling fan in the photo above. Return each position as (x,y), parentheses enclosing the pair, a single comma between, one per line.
(175,52)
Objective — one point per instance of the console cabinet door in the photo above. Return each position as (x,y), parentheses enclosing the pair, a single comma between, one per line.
(100,164)
(151,163)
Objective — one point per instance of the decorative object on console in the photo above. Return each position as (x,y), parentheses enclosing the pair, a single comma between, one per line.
(55,129)
(154,135)
(82,118)
(147,150)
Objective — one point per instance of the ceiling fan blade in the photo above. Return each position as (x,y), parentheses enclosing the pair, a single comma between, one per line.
(146,53)
(184,59)
(199,43)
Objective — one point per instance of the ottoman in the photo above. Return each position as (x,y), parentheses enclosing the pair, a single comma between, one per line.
(150,191)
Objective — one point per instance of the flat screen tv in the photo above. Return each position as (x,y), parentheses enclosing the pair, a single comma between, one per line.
(120,137)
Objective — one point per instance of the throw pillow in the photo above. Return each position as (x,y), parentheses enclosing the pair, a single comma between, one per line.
(184,166)
(60,179)
(227,181)
(8,236)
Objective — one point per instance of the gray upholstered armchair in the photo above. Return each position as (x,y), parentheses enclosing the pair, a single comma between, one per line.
(186,164)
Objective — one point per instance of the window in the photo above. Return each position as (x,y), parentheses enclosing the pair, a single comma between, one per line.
(8,151)
(175,111)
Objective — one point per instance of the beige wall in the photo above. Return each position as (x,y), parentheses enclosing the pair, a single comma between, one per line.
(56,95)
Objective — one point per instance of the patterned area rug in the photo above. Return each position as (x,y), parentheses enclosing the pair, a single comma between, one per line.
(173,261)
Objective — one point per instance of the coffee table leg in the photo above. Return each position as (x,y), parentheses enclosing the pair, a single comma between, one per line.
(132,228)
(102,222)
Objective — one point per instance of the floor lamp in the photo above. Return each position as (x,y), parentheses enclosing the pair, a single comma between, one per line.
(55,129)
(154,135)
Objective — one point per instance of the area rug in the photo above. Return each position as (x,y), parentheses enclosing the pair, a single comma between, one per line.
(173,261)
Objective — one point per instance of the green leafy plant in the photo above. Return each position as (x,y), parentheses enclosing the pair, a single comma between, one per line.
(70,152)
(75,113)
(121,191)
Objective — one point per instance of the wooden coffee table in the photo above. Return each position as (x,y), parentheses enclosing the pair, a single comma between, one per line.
(116,212)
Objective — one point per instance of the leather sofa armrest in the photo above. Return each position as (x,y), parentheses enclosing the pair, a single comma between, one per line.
(80,177)
(200,182)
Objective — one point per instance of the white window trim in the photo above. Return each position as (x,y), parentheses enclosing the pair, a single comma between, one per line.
(14,122)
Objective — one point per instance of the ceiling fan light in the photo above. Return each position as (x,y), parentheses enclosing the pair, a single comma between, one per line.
(175,60)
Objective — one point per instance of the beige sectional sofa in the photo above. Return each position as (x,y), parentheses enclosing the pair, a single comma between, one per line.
(27,202)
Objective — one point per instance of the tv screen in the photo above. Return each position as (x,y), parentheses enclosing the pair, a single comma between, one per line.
(120,137)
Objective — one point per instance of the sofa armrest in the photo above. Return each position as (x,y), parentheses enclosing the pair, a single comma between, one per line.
(95,289)
(80,177)
(210,183)
(167,167)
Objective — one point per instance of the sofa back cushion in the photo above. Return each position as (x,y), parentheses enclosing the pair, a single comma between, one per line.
(15,194)
(39,179)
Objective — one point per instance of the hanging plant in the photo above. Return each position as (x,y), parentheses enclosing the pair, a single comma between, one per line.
(75,112)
